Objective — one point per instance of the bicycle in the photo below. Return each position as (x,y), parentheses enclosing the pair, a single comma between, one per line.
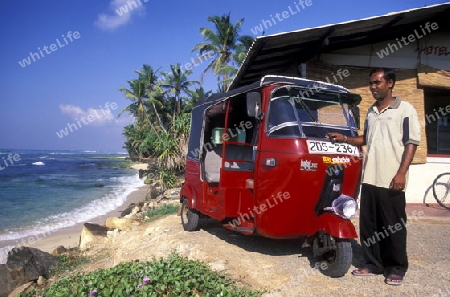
(441,190)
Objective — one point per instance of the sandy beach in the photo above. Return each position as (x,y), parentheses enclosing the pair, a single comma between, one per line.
(139,166)
(69,237)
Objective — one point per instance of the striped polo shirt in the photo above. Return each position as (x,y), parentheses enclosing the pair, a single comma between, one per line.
(386,133)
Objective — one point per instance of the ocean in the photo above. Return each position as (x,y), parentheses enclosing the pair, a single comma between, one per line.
(43,191)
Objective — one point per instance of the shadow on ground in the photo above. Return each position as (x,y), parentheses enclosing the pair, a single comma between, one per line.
(272,247)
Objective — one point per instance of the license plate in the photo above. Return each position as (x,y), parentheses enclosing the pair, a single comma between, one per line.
(325,147)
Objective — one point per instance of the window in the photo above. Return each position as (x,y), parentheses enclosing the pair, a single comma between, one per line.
(437,121)
(294,113)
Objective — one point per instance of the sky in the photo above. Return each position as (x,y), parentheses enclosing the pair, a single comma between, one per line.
(62,62)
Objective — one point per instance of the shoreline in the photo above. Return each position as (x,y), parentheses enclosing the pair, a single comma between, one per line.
(69,237)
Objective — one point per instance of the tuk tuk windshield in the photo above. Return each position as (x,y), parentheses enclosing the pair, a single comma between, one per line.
(303,113)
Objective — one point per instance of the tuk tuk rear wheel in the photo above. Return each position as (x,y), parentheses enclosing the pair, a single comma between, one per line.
(189,217)
(336,262)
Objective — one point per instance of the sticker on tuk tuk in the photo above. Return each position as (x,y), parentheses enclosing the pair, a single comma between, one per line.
(336,160)
(326,147)
(307,165)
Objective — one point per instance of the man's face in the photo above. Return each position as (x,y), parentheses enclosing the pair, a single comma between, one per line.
(379,86)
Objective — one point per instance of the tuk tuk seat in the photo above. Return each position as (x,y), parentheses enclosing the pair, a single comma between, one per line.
(213,162)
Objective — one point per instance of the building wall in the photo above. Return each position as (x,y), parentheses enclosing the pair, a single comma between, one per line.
(356,80)
(432,50)
(420,181)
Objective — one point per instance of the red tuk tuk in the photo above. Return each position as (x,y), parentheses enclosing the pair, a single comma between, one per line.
(260,162)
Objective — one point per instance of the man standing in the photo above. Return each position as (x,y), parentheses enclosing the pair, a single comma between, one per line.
(392,134)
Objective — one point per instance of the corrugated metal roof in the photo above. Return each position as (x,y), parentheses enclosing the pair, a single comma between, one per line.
(274,54)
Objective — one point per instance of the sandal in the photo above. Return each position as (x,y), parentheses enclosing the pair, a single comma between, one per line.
(394,279)
(363,272)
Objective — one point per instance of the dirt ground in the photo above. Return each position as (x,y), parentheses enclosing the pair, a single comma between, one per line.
(283,267)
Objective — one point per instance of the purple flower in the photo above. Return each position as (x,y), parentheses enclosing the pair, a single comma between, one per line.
(140,286)
(93,292)
(146,280)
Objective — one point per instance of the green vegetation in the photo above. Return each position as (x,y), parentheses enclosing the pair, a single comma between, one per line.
(173,276)
(66,263)
(228,46)
(161,102)
(161,211)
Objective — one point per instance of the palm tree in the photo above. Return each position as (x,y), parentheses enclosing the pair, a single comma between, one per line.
(224,42)
(242,48)
(135,137)
(137,108)
(130,145)
(136,94)
(176,83)
(238,57)
(163,106)
(153,93)
(196,95)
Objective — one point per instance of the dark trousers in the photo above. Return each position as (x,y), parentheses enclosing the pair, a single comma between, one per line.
(383,229)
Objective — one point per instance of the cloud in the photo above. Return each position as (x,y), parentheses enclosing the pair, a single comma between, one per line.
(120,13)
(102,116)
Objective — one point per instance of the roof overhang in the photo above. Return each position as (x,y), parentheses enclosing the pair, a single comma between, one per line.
(275,54)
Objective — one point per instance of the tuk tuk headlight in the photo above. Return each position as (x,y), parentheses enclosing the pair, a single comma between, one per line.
(344,206)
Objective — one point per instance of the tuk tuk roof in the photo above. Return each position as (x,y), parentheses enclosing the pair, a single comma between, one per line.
(276,79)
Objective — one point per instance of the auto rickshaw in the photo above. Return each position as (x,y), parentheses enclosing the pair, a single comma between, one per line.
(260,162)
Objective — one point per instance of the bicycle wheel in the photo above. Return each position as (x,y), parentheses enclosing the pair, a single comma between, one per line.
(441,190)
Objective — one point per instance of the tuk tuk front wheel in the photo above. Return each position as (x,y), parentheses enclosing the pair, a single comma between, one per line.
(189,217)
(335,263)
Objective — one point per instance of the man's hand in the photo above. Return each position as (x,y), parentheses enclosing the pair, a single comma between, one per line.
(335,137)
(398,182)
(340,138)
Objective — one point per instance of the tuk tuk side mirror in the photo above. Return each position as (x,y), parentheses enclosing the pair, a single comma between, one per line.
(253,104)
(355,113)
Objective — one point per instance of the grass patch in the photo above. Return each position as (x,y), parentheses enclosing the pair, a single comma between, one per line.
(159,212)
(173,276)
(67,263)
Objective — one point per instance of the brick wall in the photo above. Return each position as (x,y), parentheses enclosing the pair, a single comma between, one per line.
(357,82)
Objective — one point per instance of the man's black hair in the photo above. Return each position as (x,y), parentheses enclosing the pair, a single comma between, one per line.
(388,74)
